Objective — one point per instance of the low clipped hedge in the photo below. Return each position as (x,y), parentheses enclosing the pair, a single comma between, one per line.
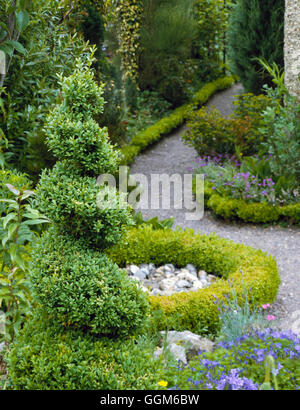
(197,311)
(164,126)
(255,212)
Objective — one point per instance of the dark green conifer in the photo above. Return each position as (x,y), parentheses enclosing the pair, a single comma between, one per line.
(255,31)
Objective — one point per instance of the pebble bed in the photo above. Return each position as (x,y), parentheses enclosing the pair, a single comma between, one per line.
(167,279)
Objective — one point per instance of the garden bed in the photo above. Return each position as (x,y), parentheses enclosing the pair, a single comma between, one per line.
(245,267)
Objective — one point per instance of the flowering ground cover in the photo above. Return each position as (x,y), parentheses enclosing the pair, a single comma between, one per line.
(241,364)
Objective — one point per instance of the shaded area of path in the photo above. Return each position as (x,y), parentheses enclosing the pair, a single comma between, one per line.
(171,156)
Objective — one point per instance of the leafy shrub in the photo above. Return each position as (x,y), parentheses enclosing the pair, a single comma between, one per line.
(16,235)
(248,212)
(181,46)
(113,115)
(150,108)
(155,223)
(239,365)
(46,357)
(210,133)
(197,311)
(32,83)
(281,127)
(14,178)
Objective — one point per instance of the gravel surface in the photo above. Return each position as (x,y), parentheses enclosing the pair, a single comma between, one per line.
(171,156)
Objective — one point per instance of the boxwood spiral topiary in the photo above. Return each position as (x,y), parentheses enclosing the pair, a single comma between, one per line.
(74,282)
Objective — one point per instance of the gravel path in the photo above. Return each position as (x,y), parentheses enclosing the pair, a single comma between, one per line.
(171,156)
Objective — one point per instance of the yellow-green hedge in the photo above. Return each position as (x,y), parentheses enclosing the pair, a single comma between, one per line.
(164,126)
(256,212)
(196,310)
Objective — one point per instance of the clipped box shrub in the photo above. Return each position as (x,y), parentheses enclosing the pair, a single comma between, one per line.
(197,311)
(46,357)
(81,288)
(80,296)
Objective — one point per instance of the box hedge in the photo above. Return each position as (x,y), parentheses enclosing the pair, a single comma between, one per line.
(255,212)
(164,126)
(196,311)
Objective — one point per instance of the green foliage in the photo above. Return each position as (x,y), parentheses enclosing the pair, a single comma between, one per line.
(239,319)
(255,30)
(32,83)
(155,223)
(164,126)
(131,95)
(229,208)
(281,127)
(12,177)
(10,30)
(181,46)
(270,371)
(73,201)
(212,21)
(16,234)
(72,133)
(76,287)
(93,27)
(197,310)
(71,278)
(128,20)
(114,112)
(167,34)
(150,108)
(82,288)
(210,133)
(48,358)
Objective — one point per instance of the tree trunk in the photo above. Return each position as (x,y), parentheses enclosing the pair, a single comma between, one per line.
(292,47)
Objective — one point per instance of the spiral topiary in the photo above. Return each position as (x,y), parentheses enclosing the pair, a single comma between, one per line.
(74,282)
(86,330)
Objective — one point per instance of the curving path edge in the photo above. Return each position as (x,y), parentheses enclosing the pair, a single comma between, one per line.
(170,156)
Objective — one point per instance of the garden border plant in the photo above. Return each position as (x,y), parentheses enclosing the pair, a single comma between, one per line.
(256,212)
(197,311)
(163,127)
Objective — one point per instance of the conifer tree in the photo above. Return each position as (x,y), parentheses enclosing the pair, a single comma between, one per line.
(256,30)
